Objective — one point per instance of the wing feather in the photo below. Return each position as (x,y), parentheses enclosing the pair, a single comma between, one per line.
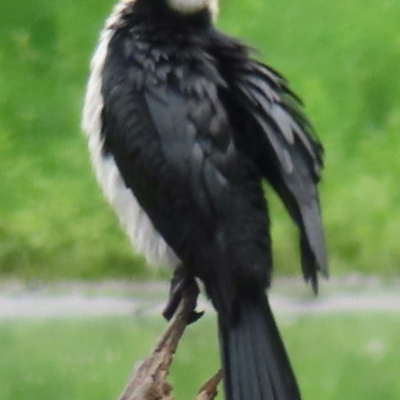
(198,160)
(274,130)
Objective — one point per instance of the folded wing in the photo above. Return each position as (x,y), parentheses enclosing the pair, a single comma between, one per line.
(272,129)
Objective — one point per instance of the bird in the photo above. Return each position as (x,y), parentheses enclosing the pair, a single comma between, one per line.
(185,127)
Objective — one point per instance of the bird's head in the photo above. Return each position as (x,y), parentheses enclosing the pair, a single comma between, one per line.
(194,6)
(185,7)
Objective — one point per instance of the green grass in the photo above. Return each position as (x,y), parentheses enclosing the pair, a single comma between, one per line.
(341,56)
(345,357)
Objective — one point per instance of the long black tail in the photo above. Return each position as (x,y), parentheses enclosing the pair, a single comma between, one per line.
(255,363)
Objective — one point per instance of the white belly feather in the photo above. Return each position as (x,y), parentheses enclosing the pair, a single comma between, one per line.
(144,237)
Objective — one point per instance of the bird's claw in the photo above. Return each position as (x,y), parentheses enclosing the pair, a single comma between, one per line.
(181,282)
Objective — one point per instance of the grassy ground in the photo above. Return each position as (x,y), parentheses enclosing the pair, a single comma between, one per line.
(342,57)
(335,357)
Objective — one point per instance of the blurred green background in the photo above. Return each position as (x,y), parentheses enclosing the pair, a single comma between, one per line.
(346,357)
(341,56)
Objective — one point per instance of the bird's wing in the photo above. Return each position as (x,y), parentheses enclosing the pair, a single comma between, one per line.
(174,149)
(196,141)
(279,138)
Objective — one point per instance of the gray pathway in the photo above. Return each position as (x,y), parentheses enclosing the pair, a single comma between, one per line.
(289,296)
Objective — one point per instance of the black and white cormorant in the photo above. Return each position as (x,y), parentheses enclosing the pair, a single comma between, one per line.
(183,126)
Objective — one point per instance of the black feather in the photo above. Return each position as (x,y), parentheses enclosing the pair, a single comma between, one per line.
(273,131)
(256,365)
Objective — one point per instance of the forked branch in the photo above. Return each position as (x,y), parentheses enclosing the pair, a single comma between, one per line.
(149,379)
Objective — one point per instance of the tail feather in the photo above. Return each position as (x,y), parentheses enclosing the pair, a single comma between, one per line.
(255,363)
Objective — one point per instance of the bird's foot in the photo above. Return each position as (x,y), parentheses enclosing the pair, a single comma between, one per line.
(181,283)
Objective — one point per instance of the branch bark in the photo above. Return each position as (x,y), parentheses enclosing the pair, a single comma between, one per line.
(149,379)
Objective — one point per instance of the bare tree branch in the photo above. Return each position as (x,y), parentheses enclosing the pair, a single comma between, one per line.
(209,390)
(148,381)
